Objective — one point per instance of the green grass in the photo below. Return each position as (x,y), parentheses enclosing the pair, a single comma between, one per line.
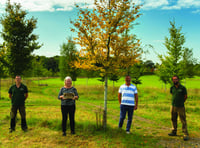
(151,122)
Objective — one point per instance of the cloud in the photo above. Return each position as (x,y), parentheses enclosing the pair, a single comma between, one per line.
(68,5)
(188,3)
(174,7)
(183,4)
(151,4)
(48,5)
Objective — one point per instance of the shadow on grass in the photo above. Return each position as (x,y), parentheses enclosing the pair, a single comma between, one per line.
(109,137)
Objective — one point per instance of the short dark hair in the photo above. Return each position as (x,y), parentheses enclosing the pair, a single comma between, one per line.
(175,76)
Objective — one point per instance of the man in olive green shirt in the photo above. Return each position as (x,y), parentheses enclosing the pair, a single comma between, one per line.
(18,93)
(179,96)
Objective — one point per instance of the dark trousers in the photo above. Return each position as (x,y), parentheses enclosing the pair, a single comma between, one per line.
(175,112)
(13,115)
(65,111)
(123,110)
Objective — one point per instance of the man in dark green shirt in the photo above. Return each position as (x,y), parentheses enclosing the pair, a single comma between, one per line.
(179,96)
(18,93)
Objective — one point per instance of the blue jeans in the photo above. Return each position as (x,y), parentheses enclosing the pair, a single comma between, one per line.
(123,110)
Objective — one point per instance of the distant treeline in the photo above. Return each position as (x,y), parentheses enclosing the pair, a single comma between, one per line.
(49,67)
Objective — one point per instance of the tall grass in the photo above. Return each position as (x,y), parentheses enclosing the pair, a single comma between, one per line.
(151,122)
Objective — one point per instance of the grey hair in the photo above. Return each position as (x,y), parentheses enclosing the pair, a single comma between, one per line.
(68,77)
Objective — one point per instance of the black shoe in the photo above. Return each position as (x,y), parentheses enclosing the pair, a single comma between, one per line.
(11,130)
(64,134)
(25,130)
(185,137)
(72,132)
(172,134)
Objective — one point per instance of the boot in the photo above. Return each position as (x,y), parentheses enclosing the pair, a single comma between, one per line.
(173,133)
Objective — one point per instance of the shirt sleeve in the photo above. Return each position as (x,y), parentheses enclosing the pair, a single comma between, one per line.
(135,90)
(26,90)
(185,91)
(60,93)
(10,90)
(120,90)
(170,90)
(75,92)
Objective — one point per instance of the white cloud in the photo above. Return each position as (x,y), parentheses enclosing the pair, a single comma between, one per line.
(183,4)
(151,4)
(67,5)
(174,7)
(47,5)
(188,3)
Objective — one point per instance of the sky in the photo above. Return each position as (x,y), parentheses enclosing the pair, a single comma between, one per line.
(53,23)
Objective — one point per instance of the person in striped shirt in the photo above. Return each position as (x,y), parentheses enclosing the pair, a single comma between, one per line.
(128,100)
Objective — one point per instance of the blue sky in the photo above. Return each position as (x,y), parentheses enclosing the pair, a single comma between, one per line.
(53,26)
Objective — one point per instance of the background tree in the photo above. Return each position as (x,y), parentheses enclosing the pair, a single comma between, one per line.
(114,77)
(136,72)
(197,69)
(188,63)
(171,64)
(3,64)
(51,64)
(67,60)
(149,67)
(19,39)
(104,44)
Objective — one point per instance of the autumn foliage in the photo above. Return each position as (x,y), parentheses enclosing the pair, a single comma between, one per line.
(103,35)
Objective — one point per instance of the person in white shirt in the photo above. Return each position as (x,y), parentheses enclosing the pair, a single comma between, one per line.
(128,100)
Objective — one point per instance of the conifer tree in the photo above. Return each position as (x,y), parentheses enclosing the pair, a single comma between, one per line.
(18,37)
(172,64)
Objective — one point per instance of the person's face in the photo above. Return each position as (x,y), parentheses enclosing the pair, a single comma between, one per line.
(17,79)
(175,80)
(68,83)
(128,80)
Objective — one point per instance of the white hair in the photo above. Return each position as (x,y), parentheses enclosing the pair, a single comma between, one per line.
(68,77)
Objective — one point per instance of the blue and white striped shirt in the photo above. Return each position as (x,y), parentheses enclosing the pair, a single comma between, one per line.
(128,94)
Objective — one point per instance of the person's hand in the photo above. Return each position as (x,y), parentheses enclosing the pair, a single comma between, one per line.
(135,107)
(61,97)
(75,98)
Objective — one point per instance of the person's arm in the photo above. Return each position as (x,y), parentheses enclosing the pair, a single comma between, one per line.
(185,97)
(10,95)
(119,97)
(26,96)
(75,98)
(75,94)
(136,102)
(60,95)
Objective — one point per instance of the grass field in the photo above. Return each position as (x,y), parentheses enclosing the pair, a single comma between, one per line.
(151,122)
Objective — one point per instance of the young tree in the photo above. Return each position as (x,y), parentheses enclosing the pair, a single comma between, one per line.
(67,60)
(136,71)
(188,63)
(171,64)
(114,77)
(101,35)
(19,38)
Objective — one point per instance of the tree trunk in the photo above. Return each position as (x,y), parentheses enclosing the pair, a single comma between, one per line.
(105,103)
